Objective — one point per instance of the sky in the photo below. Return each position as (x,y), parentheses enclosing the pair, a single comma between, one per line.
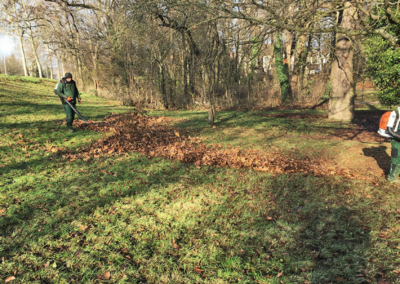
(7,45)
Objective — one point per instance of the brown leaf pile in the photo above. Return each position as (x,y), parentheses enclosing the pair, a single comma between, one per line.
(154,137)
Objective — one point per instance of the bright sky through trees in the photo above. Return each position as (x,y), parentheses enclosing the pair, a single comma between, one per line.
(7,45)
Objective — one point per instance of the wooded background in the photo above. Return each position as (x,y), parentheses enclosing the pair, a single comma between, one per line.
(195,53)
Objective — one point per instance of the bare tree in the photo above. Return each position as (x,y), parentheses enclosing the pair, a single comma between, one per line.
(11,23)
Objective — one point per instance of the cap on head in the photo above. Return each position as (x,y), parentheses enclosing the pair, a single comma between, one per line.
(68,75)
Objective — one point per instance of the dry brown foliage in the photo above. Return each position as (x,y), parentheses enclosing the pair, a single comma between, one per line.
(154,137)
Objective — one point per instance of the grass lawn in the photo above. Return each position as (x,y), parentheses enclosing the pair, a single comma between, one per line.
(130,219)
(369,96)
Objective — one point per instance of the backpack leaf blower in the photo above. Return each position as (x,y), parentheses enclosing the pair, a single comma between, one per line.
(387,126)
(75,110)
(71,105)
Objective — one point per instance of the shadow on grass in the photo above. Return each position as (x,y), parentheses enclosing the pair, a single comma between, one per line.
(42,198)
(262,224)
(333,235)
(339,245)
(380,155)
(363,128)
(123,217)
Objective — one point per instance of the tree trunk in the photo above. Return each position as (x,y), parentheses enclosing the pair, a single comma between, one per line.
(288,38)
(341,104)
(185,71)
(307,63)
(162,86)
(78,59)
(58,68)
(21,48)
(62,65)
(288,41)
(50,62)
(281,69)
(211,110)
(36,58)
(298,57)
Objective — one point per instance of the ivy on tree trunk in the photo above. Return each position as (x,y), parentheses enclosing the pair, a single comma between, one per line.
(283,72)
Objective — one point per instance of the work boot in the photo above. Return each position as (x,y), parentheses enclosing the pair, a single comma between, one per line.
(70,119)
(394,175)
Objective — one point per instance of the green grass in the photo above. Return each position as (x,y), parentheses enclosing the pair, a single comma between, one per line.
(68,222)
(251,130)
(24,79)
(367,96)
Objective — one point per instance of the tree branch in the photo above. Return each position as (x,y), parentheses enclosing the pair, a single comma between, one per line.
(85,6)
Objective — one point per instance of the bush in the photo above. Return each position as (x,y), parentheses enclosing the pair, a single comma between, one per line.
(383,65)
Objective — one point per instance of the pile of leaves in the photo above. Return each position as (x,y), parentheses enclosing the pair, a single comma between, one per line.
(154,137)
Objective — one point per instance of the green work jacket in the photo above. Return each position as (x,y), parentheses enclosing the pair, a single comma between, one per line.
(67,89)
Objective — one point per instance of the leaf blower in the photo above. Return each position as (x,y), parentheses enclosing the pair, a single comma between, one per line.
(63,100)
(388,129)
(387,126)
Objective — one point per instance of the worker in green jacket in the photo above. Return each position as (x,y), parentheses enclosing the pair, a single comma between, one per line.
(67,90)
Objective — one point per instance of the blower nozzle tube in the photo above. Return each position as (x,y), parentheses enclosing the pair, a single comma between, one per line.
(395,135)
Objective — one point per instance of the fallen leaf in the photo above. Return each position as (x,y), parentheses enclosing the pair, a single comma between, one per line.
(106,275)
(46,264)
(138,132)
(198,270)
(339,279)
(10,278)
(2,210)
(280,274)
(175,245)
(395,271)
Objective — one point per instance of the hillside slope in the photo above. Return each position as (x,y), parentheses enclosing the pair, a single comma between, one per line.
(130,219)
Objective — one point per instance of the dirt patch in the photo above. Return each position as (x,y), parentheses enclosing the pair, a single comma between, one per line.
(370,161)
(154,137)
(360,135)
(367,85)
(363,129)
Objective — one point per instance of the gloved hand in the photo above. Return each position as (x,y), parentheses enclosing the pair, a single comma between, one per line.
(79,100)
(69,99)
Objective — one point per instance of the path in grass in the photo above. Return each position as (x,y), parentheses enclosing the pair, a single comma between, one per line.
(130,219)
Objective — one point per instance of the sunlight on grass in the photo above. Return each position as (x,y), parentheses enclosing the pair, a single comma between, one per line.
(130,219)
